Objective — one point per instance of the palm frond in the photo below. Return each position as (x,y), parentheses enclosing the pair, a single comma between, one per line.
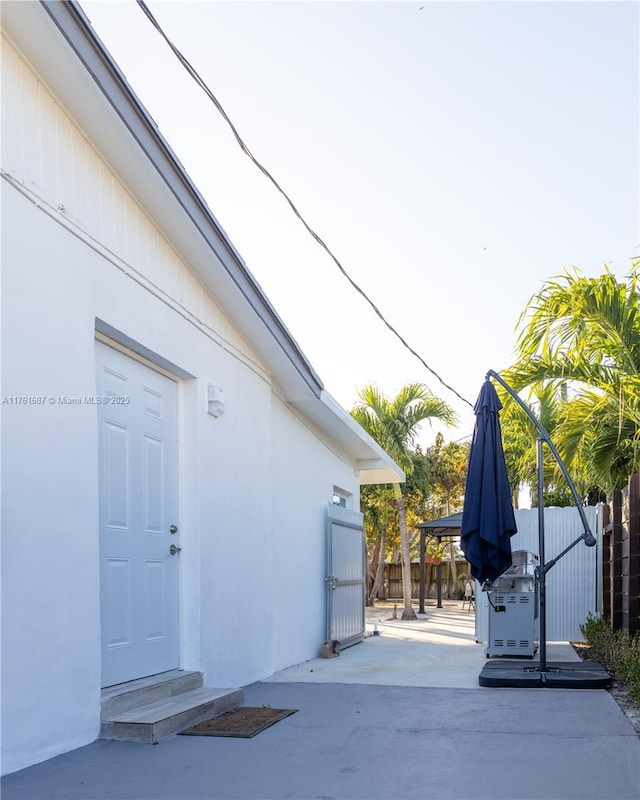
(395,423)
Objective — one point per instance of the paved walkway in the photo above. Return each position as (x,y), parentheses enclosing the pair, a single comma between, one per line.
(399,716)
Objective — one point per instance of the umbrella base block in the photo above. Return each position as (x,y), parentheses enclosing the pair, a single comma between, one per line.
(558,675)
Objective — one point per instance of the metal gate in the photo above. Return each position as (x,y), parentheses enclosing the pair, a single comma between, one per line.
(346,570)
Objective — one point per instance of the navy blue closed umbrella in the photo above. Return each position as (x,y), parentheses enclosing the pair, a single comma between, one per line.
(488,521)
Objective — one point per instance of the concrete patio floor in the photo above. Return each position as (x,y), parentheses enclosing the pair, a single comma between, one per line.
(399,716)
(438,649)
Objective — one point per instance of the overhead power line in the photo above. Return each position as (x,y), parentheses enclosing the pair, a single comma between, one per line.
(202,84)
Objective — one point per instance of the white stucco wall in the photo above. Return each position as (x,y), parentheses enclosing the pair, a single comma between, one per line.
(303,489)
(50,639)
(78,253)
(263,541)
(255,484)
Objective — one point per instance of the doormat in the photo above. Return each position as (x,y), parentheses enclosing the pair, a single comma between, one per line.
(243,722)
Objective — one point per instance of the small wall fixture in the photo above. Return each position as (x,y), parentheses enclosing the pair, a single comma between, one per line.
(215,401)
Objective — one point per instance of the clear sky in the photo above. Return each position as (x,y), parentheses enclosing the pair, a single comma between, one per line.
(453,155)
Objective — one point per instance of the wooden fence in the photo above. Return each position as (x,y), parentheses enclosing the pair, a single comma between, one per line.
(621,558)
(392,583)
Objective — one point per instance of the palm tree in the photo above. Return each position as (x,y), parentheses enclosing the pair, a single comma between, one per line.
(394,424)
(520,437)
(586,331)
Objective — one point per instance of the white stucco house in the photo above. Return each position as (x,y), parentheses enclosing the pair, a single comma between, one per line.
(168,453)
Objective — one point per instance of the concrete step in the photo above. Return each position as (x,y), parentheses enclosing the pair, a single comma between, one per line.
(158,720)
(141,692)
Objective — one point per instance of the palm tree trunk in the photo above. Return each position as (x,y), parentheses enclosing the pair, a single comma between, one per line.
(454,577)
(377,582)
(516,498)
(452,560)
(408,612)
(372,568)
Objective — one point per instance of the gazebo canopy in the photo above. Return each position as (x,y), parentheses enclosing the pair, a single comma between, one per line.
(445,526)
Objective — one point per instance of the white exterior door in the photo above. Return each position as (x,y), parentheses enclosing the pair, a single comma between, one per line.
(137,412)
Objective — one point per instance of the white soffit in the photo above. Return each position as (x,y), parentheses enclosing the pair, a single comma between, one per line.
(374,465)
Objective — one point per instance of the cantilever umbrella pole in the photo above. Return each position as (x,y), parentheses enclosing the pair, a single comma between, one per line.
(542,575)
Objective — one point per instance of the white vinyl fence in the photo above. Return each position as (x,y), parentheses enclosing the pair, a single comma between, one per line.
(574,586)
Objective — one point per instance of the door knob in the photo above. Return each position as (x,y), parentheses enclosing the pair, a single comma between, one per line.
(173,549)
(173,529)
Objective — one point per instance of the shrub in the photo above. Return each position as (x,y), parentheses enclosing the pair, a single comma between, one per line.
(597,633)
(631,669)
(617,651)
